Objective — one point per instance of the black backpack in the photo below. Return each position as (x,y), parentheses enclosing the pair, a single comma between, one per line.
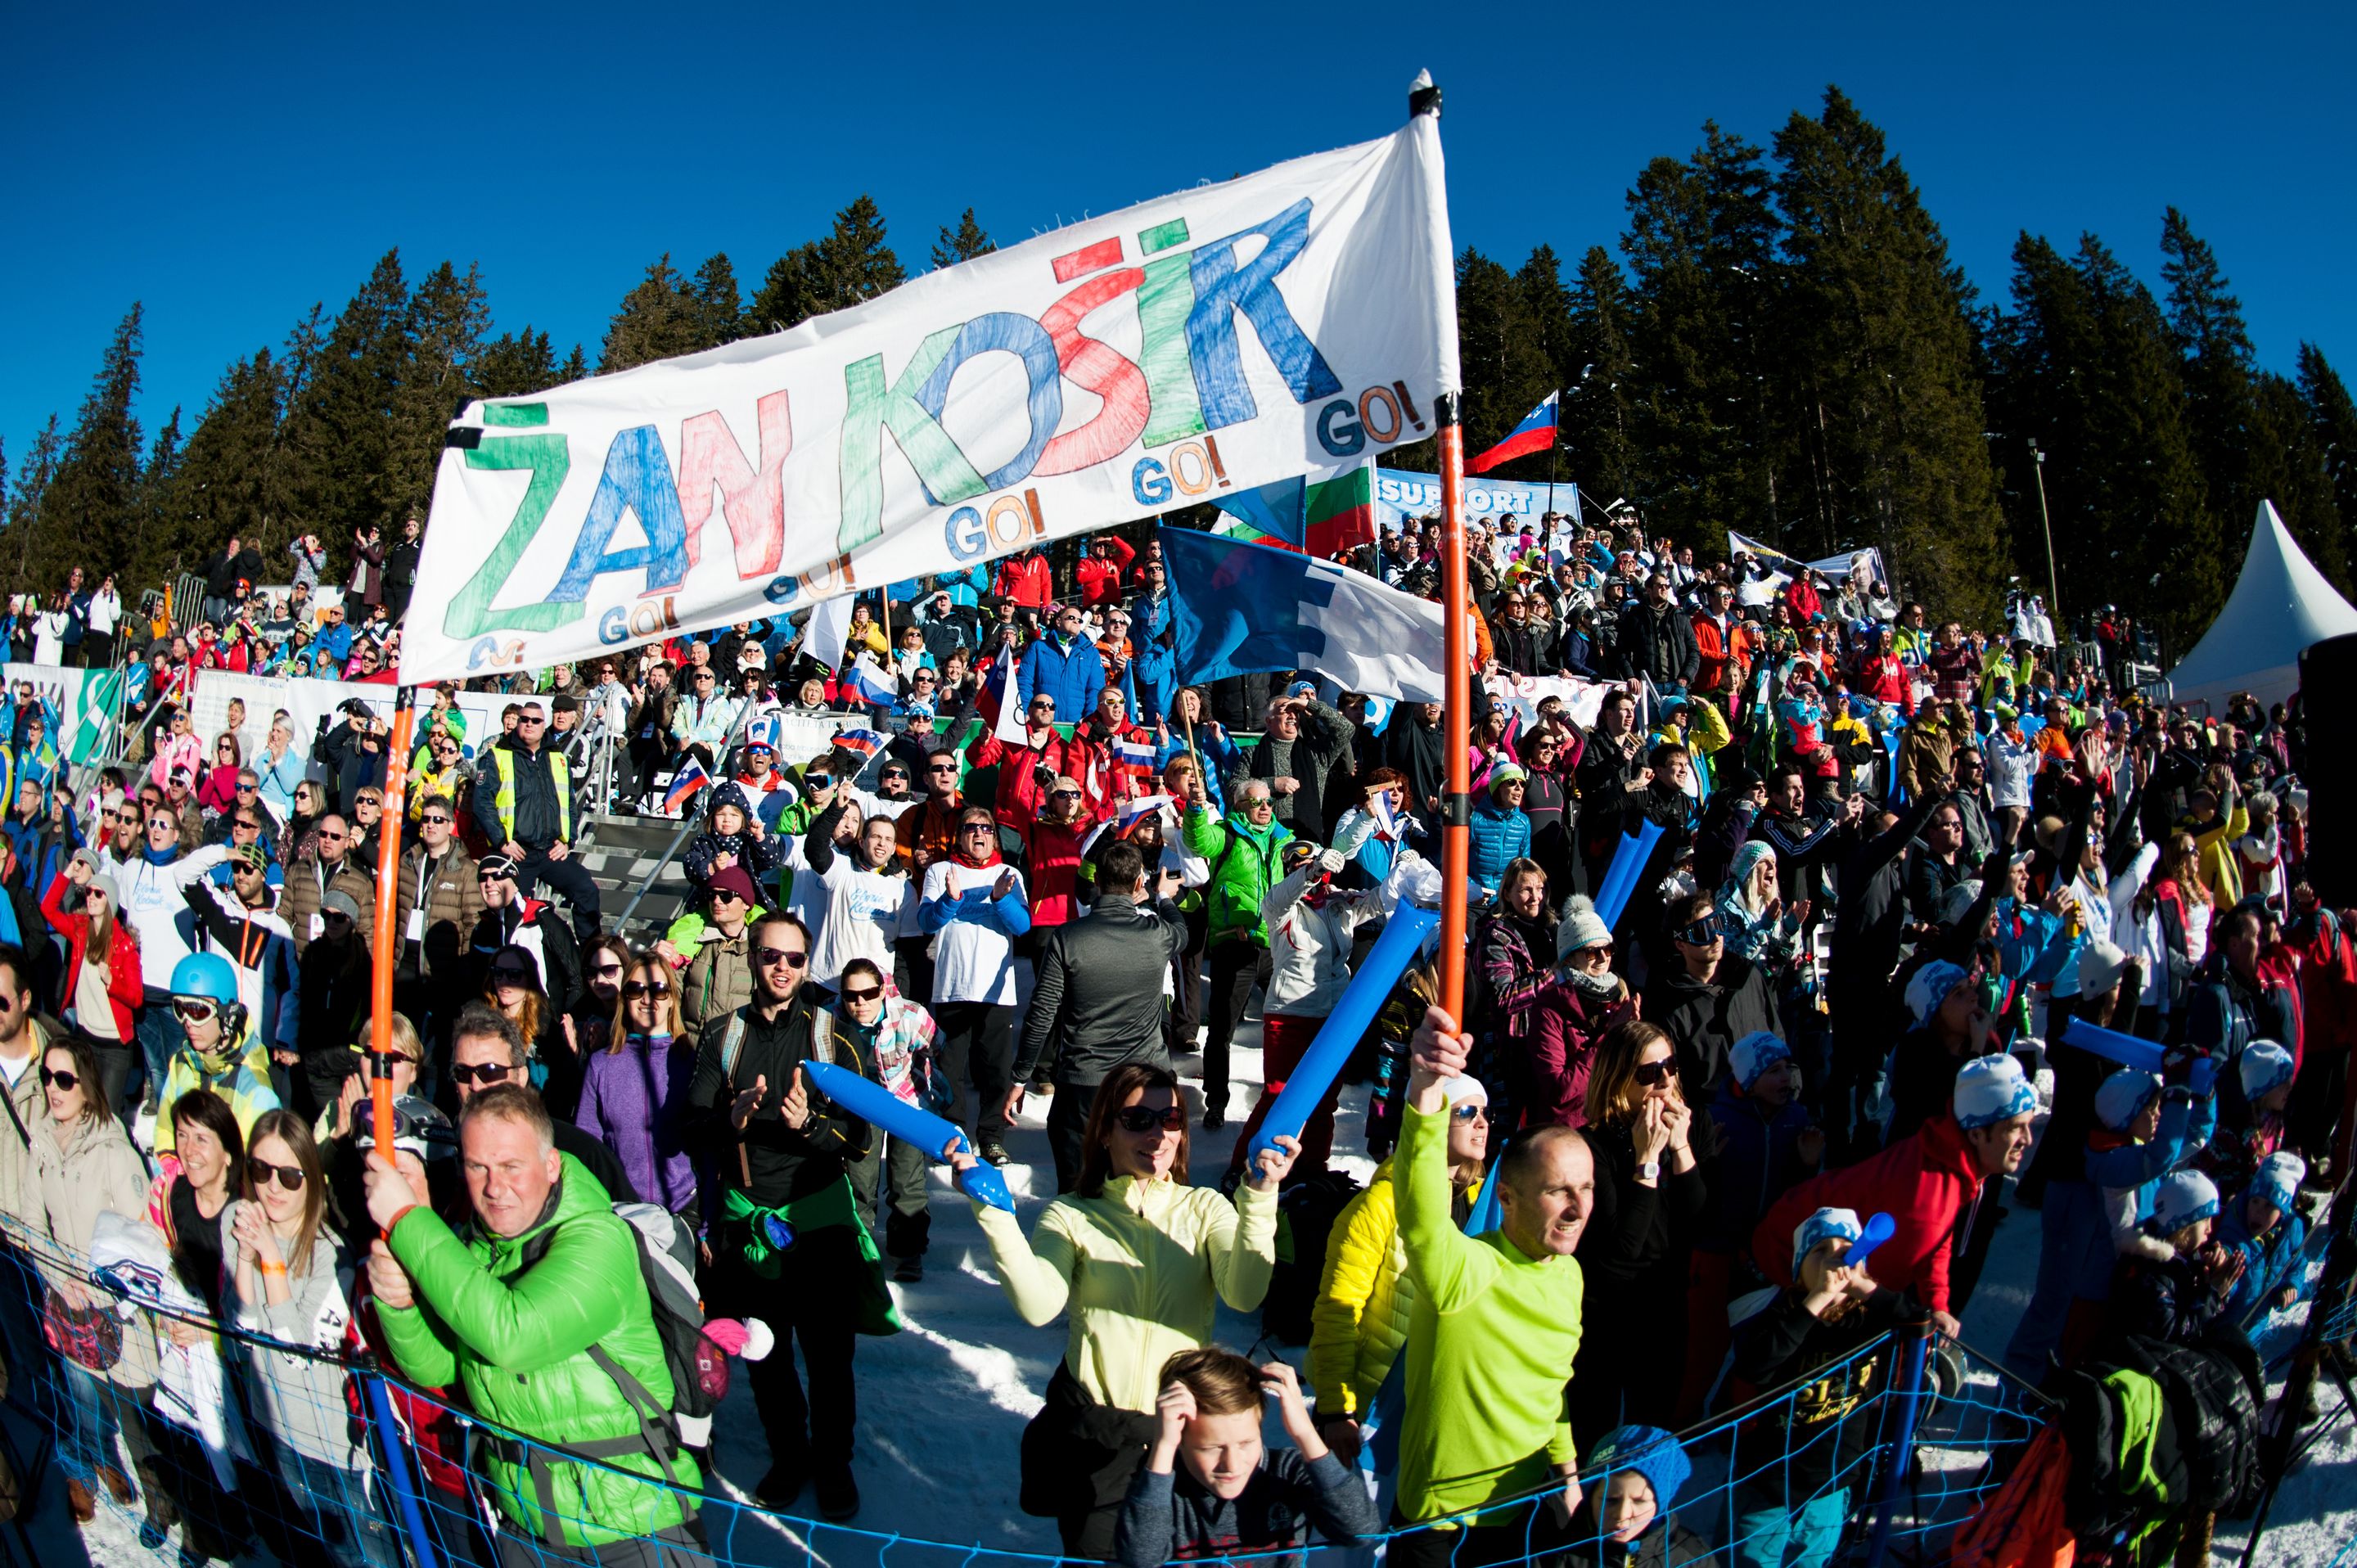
(1305,1214)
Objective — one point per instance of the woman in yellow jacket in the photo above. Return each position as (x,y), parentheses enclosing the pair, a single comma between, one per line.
(1141,1260)
(1366,1294)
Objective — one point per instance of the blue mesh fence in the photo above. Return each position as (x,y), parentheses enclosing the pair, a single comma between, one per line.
(225,1440)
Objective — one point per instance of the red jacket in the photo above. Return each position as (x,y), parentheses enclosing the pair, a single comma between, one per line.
(1100,575)
(2328,985)
(1712,673)
(1106,782)
(1020,792)
(1054,860)
(1026,579)
(1925,1183)
(125,988)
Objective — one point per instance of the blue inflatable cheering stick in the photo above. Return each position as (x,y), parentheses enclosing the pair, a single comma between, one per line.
(1323,1061)
(880,1108)
(1880,1228)
(1627,864)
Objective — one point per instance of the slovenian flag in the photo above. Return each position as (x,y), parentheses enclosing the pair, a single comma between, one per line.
(1136,753)
(1535,433)
(1236,608)
(684,783)
(872,685)
(861,743)
(1319,517)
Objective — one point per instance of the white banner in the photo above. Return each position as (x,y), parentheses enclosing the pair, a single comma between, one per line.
(1232,335)
(84,703)
(1862,566)
(306,702)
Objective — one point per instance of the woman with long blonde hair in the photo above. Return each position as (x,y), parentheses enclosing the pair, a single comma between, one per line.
(2182,893)
(1649,1198)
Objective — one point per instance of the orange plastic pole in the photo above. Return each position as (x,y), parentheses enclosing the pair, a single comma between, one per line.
(1456,832)
(388,938)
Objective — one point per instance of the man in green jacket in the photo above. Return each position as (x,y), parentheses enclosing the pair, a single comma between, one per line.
(1495,1326)
(1242,851)
(539,1311)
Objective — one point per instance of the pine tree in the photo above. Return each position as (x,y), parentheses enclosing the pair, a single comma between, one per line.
(1883,356)
(158,483)
(1702,244)
(1506,372)
(90,506)
(2332,422)
(2205,322)
(514,364)
(25,507)
(574,369)
(852,264)
(2090,370)
(343,416)
(1598,448)
(450,316)
(224,479)
(659,318)
(962,245)
(718,305)
(2291,467)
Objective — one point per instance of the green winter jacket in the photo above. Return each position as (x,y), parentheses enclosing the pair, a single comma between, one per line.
(518,1338)
(1243,867)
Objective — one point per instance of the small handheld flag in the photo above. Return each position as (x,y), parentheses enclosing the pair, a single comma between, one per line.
(690,778)
(1137,753)
(1009,726)
(1143,807)
(1388,823)
(1535,433)
(860,742)
(872,685)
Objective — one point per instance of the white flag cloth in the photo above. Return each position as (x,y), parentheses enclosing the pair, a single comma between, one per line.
(1229,336)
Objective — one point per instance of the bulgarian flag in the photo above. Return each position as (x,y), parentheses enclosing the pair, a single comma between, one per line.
(1316,516)
(1535,433)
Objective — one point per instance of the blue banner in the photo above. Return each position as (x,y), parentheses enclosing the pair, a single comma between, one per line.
(1400,495)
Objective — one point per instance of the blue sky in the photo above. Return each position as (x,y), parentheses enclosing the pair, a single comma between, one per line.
(230,165)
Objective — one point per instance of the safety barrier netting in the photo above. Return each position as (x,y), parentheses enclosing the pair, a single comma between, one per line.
(227,1438)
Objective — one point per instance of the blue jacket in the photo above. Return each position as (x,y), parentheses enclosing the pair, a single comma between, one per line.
(965,587)
(2270,1262)
(1500,834)
(42,863)
(2185,1126)
(1072,675)
(1758,1162)
(1153,666)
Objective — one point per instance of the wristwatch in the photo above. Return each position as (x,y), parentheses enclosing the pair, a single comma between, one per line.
(1650,1170)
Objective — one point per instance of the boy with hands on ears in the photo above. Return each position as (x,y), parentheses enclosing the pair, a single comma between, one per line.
(1210,1486)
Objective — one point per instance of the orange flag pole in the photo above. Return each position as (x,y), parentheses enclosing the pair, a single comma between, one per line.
(388,943)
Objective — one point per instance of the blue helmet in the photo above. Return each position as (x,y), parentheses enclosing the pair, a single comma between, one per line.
(205,974)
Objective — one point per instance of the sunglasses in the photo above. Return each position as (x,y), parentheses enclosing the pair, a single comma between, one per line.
(1650,1074)
(502,975)
(638,988)
(58,1079)
(977,828)
(486,1073)
(1700,933)
(249,789)
(606,972)
(1470,1113)
(791,958)
(440,819)
(943,768)
(262,1171)
(870,994)
(1145,1119)
(529,719)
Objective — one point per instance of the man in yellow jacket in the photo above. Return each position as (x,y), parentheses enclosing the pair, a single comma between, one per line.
(1486,1455)
(1366,1296)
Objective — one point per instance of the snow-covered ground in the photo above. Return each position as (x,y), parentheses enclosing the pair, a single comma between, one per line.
(943,1403)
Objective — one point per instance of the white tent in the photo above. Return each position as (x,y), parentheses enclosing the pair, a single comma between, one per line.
(2280,606)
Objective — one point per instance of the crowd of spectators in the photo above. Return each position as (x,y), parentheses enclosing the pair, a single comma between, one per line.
(1894,859)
